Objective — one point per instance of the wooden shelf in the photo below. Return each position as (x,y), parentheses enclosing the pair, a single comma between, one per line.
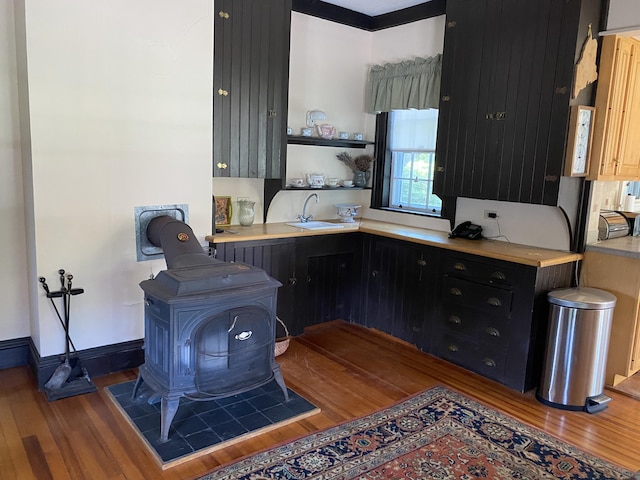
(322,142)
(327,188)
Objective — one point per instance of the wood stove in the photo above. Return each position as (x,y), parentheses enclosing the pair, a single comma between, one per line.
(209,325)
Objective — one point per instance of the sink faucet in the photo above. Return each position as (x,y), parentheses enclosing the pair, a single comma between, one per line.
(304,218)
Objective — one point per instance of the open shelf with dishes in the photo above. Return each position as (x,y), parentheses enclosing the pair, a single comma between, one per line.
(289,187)
(324,142)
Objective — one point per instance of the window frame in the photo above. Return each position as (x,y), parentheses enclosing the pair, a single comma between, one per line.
(381,184)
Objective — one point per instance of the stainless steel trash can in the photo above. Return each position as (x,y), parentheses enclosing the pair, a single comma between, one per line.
(576,349)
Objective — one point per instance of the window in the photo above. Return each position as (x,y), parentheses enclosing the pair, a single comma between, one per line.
(409,162)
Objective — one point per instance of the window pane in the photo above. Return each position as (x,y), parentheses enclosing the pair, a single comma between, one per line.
(412,136)
(414,129)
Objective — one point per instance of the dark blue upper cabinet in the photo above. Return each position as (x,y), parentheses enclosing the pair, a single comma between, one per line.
(506,91)
(250,87)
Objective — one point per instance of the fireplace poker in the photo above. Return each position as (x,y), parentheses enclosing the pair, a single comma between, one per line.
(62,373)
(51,296)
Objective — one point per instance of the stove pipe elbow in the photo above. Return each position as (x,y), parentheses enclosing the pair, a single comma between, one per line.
(178,242)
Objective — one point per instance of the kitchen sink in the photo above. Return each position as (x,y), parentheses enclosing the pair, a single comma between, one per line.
(315,225)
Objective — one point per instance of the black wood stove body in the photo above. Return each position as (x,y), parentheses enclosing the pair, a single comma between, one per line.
(209,327)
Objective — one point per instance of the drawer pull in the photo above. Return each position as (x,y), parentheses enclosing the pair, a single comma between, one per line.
(454,319)
(452,348)
(498,276)
(494,332)
(494,302)
(488,362)
(221,165)
(459,266)
(455,291)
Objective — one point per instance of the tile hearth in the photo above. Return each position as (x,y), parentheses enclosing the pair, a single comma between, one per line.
(201,427)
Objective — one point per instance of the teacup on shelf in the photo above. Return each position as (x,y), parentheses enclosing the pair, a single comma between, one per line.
(326,131)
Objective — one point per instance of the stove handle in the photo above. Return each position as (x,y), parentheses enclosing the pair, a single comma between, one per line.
(244,335)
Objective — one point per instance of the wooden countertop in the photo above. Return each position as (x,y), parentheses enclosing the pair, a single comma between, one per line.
(510,252)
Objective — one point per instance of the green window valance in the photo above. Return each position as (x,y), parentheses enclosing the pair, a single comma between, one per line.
(404,85)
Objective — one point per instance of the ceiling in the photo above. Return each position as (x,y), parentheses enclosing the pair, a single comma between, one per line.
(375,7)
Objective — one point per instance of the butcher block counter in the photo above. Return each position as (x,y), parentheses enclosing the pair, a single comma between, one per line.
(510,252)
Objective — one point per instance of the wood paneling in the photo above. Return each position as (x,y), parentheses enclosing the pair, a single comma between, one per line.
(506,86)
(250,87)
(346,370)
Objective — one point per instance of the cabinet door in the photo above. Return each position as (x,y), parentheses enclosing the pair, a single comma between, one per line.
(277,258)
(399,280)
(507,72)
(328,271)
(250,87)
(616,145)
(630,135)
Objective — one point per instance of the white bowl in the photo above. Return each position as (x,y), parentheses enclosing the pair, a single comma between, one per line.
(346,211)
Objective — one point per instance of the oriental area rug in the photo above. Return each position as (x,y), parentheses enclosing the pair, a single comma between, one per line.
(438,434)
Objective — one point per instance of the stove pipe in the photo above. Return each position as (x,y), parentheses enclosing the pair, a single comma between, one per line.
(178,242)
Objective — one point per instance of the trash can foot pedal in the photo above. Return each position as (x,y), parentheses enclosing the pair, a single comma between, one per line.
(596,403)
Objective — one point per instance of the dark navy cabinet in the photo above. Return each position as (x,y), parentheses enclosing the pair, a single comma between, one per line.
(250,87)
(507,78)
(492,316)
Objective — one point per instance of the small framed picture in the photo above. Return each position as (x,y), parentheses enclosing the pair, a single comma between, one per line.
(223,211)
(579,141)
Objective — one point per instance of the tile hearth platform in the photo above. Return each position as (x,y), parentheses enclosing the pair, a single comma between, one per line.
(202,427)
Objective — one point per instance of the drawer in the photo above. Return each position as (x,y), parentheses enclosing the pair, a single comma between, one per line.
(488,329)
(484,298)
(491,273)
(469,353)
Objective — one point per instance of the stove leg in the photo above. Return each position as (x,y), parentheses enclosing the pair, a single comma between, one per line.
(136,387)
(280,381)
(168,409)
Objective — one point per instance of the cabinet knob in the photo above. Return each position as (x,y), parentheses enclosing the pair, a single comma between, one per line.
(452,348)
(221,165)
(454,319)
(375,273)
(455,291)
(293,281)
(222,92)
(494,332)
(489,362)
(459,266)
(222,14)
(498,276)
(494,302)
(422,262)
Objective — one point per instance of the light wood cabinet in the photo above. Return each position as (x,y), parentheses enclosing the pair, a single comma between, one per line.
(619,275)
(616,144)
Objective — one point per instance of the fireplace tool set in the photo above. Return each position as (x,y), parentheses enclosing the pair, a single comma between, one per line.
(70,377)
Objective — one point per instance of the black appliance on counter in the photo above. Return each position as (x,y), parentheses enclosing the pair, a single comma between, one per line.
(209,325)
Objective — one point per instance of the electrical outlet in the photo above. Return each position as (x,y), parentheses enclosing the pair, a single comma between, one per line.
(490,214)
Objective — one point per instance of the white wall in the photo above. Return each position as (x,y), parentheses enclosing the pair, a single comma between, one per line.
(329,65)
(624,15)
(14,319)
(120,116)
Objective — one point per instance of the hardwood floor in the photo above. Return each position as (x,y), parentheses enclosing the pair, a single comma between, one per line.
(346,370)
